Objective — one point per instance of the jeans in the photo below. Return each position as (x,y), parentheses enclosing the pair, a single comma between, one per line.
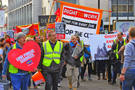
(20,81)
(60,76)
(129,79)
(116,68)
(51,80)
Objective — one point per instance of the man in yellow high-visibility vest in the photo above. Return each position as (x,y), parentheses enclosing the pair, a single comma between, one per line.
(19,78)
(52,58)
(117,44)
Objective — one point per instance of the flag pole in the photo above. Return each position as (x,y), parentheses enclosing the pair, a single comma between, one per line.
(50,14)
(109,19)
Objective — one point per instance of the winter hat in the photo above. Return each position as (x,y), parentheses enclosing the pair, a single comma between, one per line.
(19,35)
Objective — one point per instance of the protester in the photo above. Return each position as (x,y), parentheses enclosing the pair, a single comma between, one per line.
(37,40)
(81,69)
(42,38)
(28,39)
(89,63)
(1,59)
(7,37)
(2,41)
(121,52)
(73,63)
(52,58)
(101,67)
(128,72)
(19,78)
(117,44)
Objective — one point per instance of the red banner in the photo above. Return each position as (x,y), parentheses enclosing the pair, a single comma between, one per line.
(35,29)
(80,14)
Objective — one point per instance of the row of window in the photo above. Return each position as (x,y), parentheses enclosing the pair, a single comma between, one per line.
(123,7)
(16,3)
(122,1)
(22,16)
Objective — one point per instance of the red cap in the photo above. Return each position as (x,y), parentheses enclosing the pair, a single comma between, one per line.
(8,41)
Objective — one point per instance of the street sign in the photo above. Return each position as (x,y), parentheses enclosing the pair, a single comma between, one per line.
(44,19)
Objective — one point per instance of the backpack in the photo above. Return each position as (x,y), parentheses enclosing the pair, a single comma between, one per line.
(112,57)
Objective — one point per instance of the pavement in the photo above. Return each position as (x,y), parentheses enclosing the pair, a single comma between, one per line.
(87,85)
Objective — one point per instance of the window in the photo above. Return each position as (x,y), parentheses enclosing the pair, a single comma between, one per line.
(44,10)
(122,7)
(70,1)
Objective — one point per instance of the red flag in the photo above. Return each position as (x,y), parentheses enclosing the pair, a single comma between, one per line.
(58,15)
(27,30)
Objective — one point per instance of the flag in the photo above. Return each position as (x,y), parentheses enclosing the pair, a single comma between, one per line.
(58,15)
(29,30)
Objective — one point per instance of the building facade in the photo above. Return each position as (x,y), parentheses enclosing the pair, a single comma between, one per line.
(24,12)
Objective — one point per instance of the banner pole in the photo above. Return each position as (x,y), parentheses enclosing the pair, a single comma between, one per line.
(109,19)
(50,14)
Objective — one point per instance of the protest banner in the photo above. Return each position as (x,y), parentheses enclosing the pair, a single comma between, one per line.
(50,27)
(11,34)
(60,30)
(101,44)
(26,59)
(80,19)
(33,29)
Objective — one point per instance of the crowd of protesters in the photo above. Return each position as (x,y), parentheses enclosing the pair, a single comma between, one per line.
(57,62)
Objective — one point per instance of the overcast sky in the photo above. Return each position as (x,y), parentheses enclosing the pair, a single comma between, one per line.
(5,2)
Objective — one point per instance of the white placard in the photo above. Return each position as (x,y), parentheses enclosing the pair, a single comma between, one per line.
(81,21)
(101,44)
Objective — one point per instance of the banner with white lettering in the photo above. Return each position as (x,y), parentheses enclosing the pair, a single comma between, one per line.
(100,45)
(80,19)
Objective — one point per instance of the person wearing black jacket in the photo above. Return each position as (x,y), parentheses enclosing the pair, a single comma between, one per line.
(82,70)
(117,44)
(37,40)
(73,63)
(51,71)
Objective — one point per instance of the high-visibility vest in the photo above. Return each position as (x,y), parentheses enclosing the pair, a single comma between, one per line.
(13,69)
(81,59)
(50,54)
(116,50)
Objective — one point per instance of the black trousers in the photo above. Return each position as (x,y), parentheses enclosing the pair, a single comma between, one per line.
(109,71)
(83,69)
(51,80)
(101,67)
(64,71)
(116,68)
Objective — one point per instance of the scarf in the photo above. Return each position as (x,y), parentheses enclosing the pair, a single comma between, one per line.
(73,45)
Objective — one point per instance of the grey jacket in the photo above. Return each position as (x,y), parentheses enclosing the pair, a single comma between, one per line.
(53,68)
(69,59)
